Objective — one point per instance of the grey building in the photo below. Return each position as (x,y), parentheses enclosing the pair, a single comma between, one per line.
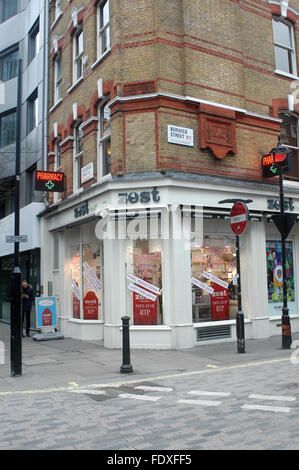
(23,35)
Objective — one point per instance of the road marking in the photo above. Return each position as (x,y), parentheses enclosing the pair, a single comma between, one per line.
(149,379)
(271,397)
(276,409)
(89,392)
(139,397)
(212,394)
(200,402)
(153,389)
(212,366)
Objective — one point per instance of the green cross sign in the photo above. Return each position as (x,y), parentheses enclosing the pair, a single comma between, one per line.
(50,185)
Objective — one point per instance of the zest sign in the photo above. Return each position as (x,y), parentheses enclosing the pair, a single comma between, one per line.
(52,181)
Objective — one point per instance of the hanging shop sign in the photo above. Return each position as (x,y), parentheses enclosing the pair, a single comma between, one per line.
(90,306)
(215,279)
(272,162)
(180,136)
(219,303)
(202,285)
(51,181)
(45,312)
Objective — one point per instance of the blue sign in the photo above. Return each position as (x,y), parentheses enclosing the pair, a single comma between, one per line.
(45,312)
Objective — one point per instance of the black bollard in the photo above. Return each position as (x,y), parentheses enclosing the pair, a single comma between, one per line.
(126,367)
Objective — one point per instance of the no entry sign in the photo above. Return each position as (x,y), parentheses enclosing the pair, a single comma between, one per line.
(238,217)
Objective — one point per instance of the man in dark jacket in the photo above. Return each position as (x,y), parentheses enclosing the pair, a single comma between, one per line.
(27,299)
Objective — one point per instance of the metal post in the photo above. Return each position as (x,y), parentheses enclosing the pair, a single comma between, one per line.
(126,367)
(16,303)
(285,319)
(240,316)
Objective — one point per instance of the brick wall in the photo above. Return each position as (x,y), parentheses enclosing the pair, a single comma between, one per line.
(220,51)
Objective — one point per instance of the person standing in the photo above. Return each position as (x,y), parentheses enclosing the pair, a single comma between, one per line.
(27,299)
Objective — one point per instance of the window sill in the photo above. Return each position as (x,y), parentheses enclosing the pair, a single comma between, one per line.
(79,320)
(99,60)
(75,84)
(55,105)
(287,75)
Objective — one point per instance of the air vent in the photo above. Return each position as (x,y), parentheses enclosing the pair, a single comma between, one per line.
(213,332)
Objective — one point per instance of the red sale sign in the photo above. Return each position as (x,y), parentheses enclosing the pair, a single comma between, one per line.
(219,303)
(145,310)
(90,306)
(47,317)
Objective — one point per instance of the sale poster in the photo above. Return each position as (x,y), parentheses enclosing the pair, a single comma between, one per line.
(90,306)
(275,277)
(219,303)
(145,310)
(45,312)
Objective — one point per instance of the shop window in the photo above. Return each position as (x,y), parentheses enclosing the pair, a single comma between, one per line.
(7,128)
(86,274)
(9,63)
(274,277)
(30,181)
(289,137)
(144,262)
(33,41)
(103,26)
(104,140)
(216,256)
(8,9)
(284,47)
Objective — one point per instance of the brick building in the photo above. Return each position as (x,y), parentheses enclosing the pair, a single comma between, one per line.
(166,108)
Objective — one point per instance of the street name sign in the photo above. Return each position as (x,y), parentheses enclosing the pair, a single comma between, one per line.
(16,238)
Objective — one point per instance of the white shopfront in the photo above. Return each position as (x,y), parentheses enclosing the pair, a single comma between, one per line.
(103,247)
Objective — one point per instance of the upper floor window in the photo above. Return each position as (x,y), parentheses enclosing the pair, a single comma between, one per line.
(58,8)
(78,153)
(103,28)
(58,78)
(104,140)
(289,137)
(284,46)
(33,41)
(8,8)
(30,180)
(32,111)
(7,128)
(9,63)
(78,56)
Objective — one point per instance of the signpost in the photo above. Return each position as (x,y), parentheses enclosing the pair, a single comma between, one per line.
(238,223)
(16,239)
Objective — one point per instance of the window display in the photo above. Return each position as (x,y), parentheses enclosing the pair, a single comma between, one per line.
(214,265)
(86,281)
(144,282)
(274,277)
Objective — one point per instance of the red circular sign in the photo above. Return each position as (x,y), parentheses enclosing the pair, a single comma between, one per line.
(238,218)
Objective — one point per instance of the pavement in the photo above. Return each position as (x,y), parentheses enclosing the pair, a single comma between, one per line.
(65,363)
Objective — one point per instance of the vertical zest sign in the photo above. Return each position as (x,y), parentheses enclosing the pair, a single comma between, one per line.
(52,181)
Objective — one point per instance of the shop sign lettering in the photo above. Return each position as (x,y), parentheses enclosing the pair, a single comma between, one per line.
(143,196)
(274,204)
(81,210)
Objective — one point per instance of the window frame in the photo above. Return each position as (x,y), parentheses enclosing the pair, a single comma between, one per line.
(5,53)
(77,56)
(32,111)
(33,41)
(102,140)
(101,30)
(291,50)
(3,115)
(57,79)
(2,7)
(77,155)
